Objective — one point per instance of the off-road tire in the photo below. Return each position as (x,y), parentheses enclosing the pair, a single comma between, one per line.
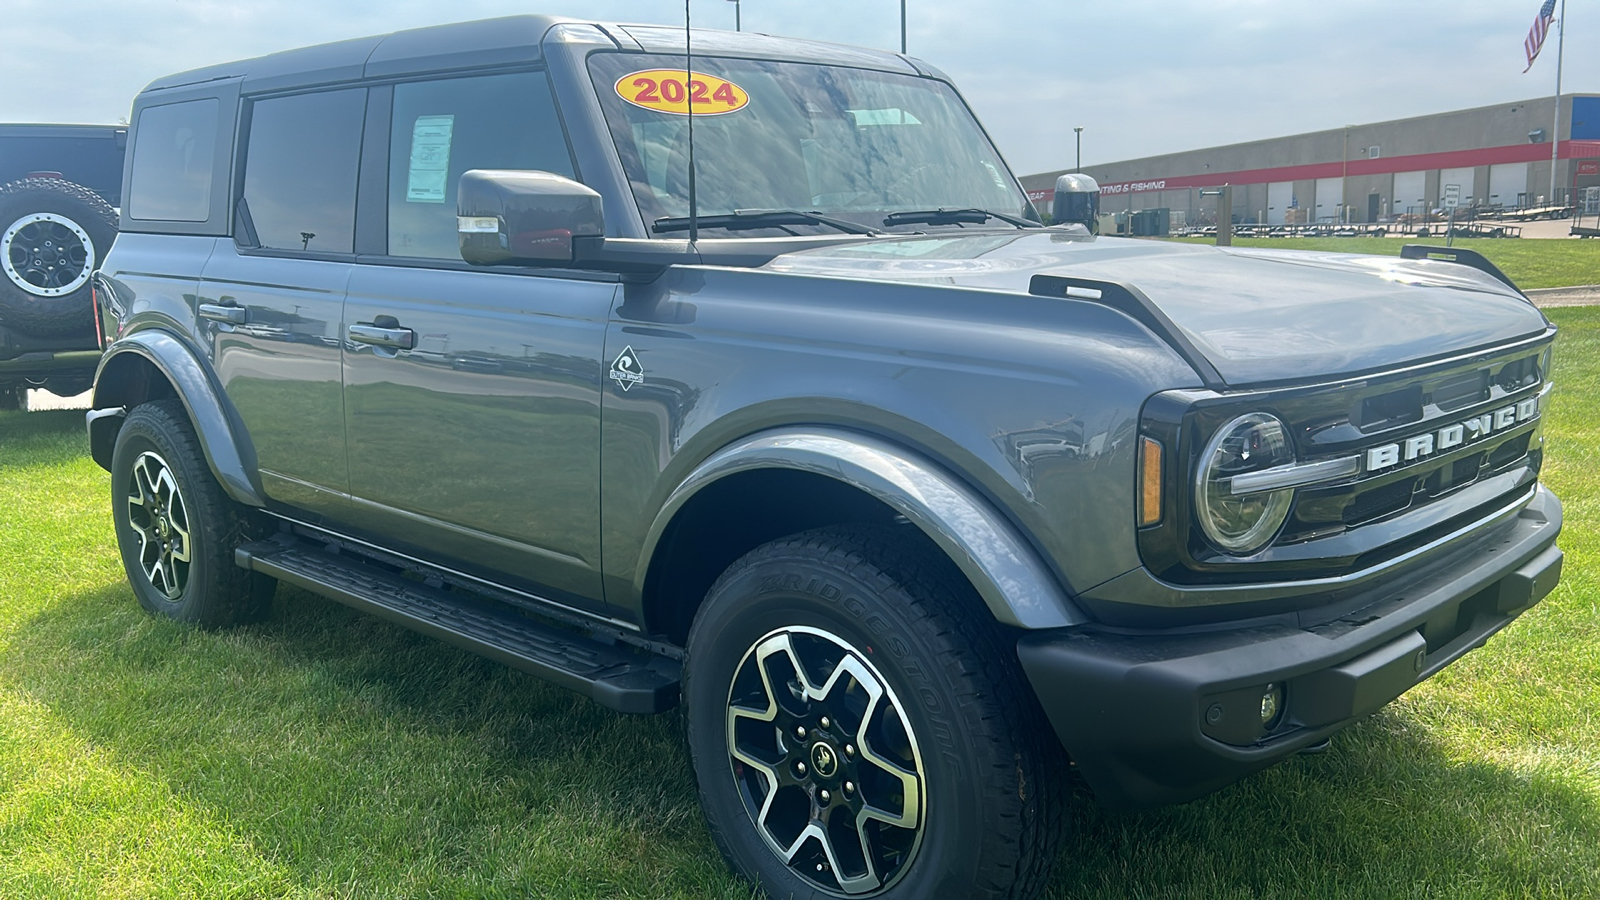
(993,771)
(207,589)
(44,290)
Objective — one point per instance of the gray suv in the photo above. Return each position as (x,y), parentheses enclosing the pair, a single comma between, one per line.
(751,381)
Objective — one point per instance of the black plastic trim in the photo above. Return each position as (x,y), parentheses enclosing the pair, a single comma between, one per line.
(1459,256)
(619,677)
(1131,301)
(1133,708)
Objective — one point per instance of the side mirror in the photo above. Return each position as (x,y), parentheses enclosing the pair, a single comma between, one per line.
(1077,200)
(508,217)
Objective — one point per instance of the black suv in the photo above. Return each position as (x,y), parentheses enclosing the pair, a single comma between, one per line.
(751,381)
(59,186)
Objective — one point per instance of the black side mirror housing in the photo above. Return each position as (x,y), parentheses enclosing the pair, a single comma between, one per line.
(1077,200)
(524,218)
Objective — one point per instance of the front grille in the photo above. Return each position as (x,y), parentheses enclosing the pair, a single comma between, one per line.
(1379,502)
(1430,462)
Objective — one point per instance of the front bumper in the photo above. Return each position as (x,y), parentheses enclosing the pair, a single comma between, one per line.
(1155,717)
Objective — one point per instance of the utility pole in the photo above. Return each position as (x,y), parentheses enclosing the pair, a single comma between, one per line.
(1344,177)
(1078,131)
(737,25)
(902,27)
(1555,133)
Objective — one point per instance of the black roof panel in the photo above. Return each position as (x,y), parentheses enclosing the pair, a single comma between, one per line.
(667,39)
(487,42)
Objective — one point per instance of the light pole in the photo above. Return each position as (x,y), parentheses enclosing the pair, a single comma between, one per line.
(1078,132)
(902,27)
(736,23)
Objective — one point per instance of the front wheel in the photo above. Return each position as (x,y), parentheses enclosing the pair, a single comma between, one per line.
(176,528)
(859,726)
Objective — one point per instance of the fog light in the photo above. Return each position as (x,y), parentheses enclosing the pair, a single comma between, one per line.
(1271,704)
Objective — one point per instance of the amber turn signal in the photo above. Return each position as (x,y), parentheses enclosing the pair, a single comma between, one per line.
(1149,481)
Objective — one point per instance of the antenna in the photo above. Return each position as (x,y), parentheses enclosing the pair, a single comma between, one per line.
(688,86)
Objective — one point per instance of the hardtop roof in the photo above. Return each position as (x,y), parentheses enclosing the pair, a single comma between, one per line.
(503,41)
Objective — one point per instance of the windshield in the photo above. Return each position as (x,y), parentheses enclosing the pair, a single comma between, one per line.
(851,144)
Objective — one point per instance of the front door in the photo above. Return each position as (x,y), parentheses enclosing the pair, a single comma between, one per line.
(479,445)
(472,397)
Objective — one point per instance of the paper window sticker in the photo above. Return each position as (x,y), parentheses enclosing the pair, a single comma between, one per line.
(428,176)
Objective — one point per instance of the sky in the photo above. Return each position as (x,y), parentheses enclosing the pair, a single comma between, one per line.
(1141,77)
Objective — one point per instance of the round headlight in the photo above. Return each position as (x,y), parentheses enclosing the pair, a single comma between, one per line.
(1243,523)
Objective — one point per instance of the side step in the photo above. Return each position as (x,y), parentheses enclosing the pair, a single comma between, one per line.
(614,675)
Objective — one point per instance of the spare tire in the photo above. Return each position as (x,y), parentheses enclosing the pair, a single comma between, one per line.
(53,235)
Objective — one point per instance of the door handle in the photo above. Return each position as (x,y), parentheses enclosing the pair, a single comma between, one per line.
(383,331)
(224,312)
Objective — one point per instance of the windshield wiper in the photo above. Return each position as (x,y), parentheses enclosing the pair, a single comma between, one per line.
(954,217)
(742,219)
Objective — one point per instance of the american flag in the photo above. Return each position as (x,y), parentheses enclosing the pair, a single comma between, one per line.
(1541,27)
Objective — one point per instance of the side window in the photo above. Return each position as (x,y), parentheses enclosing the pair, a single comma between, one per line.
(300,170)
(174,153)
(444,128)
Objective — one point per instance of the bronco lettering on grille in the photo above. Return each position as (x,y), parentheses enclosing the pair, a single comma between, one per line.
(1450,436)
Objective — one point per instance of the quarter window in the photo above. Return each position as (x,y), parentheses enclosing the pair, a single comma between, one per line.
(300,170)
(443,128)
(174,154)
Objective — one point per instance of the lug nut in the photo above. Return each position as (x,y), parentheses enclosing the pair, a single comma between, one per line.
(849,787)
(800,732)
(849,749)
(825,722)
(800,768)
(825,797)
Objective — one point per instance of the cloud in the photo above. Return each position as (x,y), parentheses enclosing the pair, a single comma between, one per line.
(1141,76)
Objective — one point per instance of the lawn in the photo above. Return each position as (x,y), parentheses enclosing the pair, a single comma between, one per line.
(327,754)
(1530,263)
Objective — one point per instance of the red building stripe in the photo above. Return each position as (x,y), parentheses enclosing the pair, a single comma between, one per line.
(1449,159)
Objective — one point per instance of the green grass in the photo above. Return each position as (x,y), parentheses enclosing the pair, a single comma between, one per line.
(1530,263)
(327,754)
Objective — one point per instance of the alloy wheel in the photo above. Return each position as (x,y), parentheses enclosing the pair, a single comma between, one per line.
(826,761)
(160,517)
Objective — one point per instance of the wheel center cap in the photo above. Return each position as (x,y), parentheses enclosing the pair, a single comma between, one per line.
(824,761)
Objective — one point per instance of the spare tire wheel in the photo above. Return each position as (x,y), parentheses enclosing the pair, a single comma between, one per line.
(53,235)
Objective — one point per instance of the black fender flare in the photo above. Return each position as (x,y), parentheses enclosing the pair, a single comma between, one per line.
(1014,582)
(223,439)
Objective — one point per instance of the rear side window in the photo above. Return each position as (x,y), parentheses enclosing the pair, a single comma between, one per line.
(300,170)
(173,156)
(443,128)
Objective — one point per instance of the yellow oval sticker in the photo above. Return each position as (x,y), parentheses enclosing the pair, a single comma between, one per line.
(666,90)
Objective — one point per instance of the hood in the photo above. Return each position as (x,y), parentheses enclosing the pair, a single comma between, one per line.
(1257,315)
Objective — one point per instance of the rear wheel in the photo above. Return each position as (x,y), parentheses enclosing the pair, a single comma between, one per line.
(176,528)
(859,726)
(11,396)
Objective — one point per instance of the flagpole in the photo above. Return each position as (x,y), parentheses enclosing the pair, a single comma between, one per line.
(1555,129)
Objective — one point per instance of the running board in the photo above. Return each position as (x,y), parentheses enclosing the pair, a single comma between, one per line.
(612,674)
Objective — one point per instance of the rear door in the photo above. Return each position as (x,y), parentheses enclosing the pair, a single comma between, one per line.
(474,433)
(273,298)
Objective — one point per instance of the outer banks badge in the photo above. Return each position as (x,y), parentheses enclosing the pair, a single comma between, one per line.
(625,370)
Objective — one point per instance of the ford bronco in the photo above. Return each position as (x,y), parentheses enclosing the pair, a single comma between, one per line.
(739,372)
